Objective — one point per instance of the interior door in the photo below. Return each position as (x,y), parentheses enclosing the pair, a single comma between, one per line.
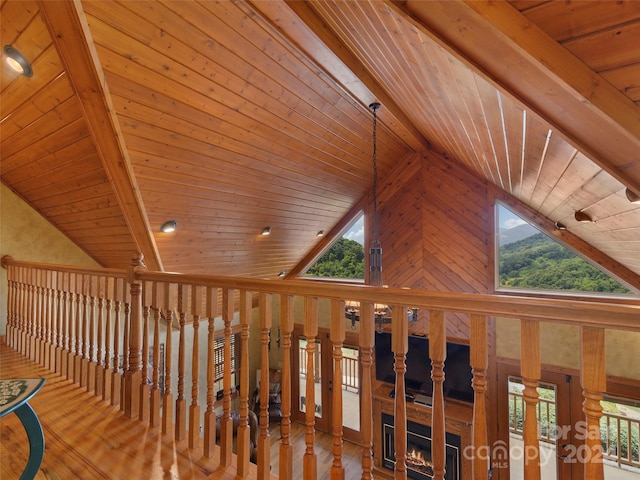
(323,382)
(556,434)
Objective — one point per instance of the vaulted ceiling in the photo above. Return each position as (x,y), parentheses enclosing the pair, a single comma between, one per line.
(232,116)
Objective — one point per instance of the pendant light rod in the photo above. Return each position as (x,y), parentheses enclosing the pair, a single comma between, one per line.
(375,251)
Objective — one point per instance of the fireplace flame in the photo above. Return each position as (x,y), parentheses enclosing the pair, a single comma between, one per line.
(417,461)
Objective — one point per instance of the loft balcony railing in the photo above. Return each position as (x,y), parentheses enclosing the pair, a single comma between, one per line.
(95,326)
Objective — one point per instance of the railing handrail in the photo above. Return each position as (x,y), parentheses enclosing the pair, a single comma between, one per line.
(54,318)
(583,312)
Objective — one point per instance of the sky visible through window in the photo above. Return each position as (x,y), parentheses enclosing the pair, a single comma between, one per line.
(356,232)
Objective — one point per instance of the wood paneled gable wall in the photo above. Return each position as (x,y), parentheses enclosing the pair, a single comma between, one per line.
(436,229)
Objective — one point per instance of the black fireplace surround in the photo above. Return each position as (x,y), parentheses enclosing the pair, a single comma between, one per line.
(419,450)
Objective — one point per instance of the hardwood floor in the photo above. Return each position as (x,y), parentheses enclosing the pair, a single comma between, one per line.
(86,438)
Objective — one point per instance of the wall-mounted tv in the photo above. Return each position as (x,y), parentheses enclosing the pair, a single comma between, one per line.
(457,367)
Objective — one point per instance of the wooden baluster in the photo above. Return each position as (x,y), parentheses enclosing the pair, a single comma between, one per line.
(91,363)
(479,363)
(57,323)
(243,443)
(210,414)
(64,321)
(116,384)
(45,315)
(145,390)
(126,331)
(100,345)
(594,382)
(194,408)
(10,301)
(438,354)
(15,342)
(81,368)
(264,439)
(226,424)
(24,304)
(77,349)
(50,360)
(530,371)
(133,374)
(30,317)
(167,397)
(31,313)
(310,330)
(337,337)
(110,284)
(367,343)
(71,324)
(24,311)
(400,346)
(285,467)
(157,300)
(39,316)
(181,403)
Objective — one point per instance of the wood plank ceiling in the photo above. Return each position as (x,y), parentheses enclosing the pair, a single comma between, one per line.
(232,116)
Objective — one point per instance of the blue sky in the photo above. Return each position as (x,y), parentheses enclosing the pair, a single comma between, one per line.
(356,232)
(507,219)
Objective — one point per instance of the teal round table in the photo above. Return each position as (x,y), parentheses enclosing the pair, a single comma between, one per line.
(14,395)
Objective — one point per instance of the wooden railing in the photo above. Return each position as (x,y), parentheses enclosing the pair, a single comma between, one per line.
(546,414)
(96,325)
(621,440)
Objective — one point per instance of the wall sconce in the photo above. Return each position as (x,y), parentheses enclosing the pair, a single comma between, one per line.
(632,196)
(266,231)
(169,226)
(582,216)
(17,61)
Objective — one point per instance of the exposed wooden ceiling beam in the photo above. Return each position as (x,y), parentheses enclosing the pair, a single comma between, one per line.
(70,33)
(512,52)
(338,63)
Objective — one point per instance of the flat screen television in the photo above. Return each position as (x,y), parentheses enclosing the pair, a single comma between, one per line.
(457,367)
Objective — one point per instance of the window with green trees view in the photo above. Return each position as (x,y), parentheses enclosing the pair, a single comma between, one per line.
(530,259)
(345,258)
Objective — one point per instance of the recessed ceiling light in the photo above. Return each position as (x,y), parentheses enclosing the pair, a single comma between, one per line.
(17,61)
(266,231)
(169,226)
(582,216)
(632,196)
(560,226)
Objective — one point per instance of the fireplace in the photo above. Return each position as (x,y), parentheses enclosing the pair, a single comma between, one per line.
(419,464)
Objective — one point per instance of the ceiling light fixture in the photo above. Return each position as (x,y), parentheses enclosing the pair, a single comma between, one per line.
(266,231)
(632,196)
(560,226)
(17,61)
(282,273)
(169,226)
(375,251)
(582,216)
(320,233)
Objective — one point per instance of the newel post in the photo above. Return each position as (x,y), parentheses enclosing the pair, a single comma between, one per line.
(133,375)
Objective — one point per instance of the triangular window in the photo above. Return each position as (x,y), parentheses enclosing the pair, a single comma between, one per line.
(344,258)
(529,259)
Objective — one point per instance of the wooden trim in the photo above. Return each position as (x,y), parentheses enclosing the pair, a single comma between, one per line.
(69,30)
